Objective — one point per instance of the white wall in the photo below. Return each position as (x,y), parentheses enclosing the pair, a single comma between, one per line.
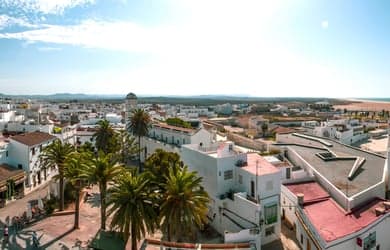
(246,235)
(18,127)
(288,203)
(152,145)
(206,167)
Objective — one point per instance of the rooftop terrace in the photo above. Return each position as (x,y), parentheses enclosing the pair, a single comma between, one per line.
(351,171)
(328,218)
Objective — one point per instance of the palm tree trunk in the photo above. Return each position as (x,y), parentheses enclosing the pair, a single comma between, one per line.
(133,238)
(77,210)
(61,191)
(169,233)
(103,206)
(139,154)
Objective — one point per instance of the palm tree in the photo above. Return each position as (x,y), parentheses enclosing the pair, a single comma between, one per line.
(158,164)
(133,207)
(75,173)
(105,137)
(102,171)
(128,148)
(184,202)
(54,155)
(139,126)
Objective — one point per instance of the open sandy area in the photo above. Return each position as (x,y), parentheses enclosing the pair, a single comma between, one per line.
(363,105)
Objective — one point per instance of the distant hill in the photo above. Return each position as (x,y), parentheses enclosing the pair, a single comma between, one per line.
(173,99)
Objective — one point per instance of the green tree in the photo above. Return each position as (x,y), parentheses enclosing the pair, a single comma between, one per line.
(139,126)
(128,149)
(54,155)
(264,128)
(75,173)
(159,163)
(133,207)
(105,137)
(184,203)
(178,122)
(102,170)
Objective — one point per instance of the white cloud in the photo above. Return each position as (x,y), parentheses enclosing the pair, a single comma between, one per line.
(47,49)
(325,24)
(226,48)
(7,21)
(44,6)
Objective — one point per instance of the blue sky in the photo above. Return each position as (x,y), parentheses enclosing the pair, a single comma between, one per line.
(322,48)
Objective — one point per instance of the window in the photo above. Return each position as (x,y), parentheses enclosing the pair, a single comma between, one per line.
(227,175)
(288,173)
(20,166)
(33,151)
(269,231)
(6,153)
(370,241)
(253,189)
(240,179)
(271,213)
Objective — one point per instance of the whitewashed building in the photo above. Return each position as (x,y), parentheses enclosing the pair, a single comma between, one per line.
(340,202)
(23,152)
(346,131)
(244,190)
(171,138)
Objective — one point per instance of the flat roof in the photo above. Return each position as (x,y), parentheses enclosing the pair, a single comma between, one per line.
(337,171)
(255,161)
(330,220)
(311,190)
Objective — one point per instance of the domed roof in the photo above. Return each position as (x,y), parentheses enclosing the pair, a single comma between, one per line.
(131,96)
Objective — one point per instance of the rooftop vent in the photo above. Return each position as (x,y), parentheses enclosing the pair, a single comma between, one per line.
(379,211)
(386,204)
(301,198)
(326,156)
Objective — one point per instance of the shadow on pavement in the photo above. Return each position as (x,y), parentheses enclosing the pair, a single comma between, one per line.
(46,245)
(93,199)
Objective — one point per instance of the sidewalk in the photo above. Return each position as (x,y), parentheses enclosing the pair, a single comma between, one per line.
(18,207)
(54,232)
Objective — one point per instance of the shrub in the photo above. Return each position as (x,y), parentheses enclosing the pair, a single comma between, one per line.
(51,205)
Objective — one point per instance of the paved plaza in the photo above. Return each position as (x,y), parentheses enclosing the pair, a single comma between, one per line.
(54,232)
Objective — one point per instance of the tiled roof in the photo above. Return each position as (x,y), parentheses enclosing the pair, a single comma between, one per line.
(33,138)
(174,128)
(7,172)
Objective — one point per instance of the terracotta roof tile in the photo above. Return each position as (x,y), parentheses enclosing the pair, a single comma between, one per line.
(7,172)
(33,138)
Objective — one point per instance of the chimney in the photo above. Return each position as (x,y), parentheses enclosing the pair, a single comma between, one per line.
(300,197)
(379,211)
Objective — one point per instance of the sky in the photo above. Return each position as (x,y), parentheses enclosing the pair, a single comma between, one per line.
(278,48)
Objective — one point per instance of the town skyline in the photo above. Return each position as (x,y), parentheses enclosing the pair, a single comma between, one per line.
(276,48)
